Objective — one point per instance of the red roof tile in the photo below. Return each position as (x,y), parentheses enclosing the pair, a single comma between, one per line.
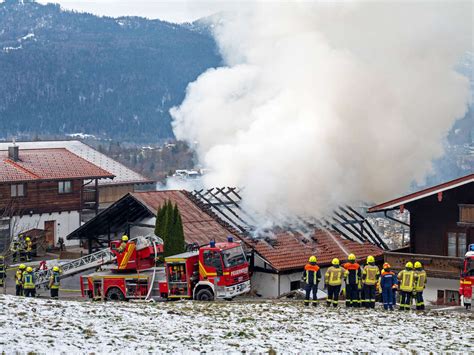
(292,250)
(199,227)
(48,164)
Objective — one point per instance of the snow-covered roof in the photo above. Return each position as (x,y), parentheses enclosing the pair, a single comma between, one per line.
(123,175)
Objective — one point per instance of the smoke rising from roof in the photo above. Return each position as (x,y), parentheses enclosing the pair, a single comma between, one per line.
(325,104)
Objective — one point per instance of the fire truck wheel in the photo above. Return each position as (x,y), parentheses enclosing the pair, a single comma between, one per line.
(204,295)
(114,294)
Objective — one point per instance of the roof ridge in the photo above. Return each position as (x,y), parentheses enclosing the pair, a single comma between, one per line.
(19,167)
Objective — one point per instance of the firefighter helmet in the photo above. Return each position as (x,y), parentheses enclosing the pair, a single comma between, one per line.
(22,266)
(418,265)
(2,257)
(56,268)
(29,269)
(125,238)
(351,257)
(312,259)
(409,265)
(386,266)
(370,259)
(27,239)
(335,261)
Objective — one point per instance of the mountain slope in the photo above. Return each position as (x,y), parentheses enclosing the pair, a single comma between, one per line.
(64,72)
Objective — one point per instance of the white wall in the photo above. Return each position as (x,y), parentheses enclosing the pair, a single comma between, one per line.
(433,285)
(65,223)
(265,284)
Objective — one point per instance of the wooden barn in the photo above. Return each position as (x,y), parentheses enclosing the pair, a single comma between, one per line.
(441,228)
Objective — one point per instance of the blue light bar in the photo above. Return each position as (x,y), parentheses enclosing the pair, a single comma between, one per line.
(230,239)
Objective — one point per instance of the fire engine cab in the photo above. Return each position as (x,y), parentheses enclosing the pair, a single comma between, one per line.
(219,270)
(215,271)
(467,278)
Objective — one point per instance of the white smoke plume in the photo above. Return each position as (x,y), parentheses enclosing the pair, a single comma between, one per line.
(322,104)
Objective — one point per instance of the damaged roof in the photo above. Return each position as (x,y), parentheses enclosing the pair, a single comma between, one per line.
(289,251)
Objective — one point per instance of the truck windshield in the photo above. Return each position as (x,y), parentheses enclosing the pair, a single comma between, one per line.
(233,257)
(470,267)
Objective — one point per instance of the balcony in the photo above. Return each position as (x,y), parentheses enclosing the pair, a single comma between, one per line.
(466,215)
(446,267)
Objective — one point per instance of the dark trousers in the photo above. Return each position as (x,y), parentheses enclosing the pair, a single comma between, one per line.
(420,303)
(29,292)
(387,297)
(369,296)
(314,289)
(2,278)
(28,255)
(352,295)
(19,290)
(333,295)
(405,300)
(54,292)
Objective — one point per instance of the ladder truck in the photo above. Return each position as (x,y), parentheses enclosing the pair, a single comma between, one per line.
(467,278)
(214,271)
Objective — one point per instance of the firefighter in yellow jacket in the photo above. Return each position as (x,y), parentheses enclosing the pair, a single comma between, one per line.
(370,276)
(28,248)
(19,279)
(333,280)
(406,280)
(123,245)
(419,286)
(54,282)
(28,279)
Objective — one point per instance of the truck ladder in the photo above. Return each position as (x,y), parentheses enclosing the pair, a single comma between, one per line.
(102,257)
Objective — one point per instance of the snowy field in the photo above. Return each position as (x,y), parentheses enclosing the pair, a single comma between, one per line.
(46,326)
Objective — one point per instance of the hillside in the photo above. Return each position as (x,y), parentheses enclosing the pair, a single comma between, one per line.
(66,72)
(224,327)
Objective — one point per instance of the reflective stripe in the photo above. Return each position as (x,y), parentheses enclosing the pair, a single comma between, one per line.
(28,281)
(420,282)
(370,274)
(406,280)
(334,276)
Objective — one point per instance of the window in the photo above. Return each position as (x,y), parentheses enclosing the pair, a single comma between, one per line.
(295,285)
(18,190)
(212,258)
(64,187)
(234,257)
(456,244)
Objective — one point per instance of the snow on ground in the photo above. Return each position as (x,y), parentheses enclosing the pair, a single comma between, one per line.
(43,325)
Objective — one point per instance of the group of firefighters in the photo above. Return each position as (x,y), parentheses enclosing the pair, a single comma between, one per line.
(22,248)
(26,282)
(362,282)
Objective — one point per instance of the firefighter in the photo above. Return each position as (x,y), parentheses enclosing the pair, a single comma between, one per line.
(15,251)
(406,280)
(29,248)
(419,286)
(312,276)
(370,275)
(28,280)
(333,280)
(3,271)
(21,247)
(54,282)
(19,279)
(353,275)
(123,245)
(388,281)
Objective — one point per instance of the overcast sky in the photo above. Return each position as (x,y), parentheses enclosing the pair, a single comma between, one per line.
(168,10)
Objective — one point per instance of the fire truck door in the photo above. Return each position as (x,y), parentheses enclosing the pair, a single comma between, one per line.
(212,264)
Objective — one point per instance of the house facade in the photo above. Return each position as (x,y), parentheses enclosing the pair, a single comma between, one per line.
(46,189)
(441,228)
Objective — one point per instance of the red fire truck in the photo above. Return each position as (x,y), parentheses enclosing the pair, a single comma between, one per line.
(218,270)
(467,278)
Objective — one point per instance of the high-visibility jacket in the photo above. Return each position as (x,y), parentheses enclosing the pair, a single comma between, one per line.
(420,280)
(388,279)
(122,247)
(29,246)
(370,274)
(28,281)
(407,280)
(54,281)
(334,276)
(353,273)
(19,277)
(311,274)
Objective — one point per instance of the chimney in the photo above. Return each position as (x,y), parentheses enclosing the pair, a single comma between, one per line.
(14,152)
